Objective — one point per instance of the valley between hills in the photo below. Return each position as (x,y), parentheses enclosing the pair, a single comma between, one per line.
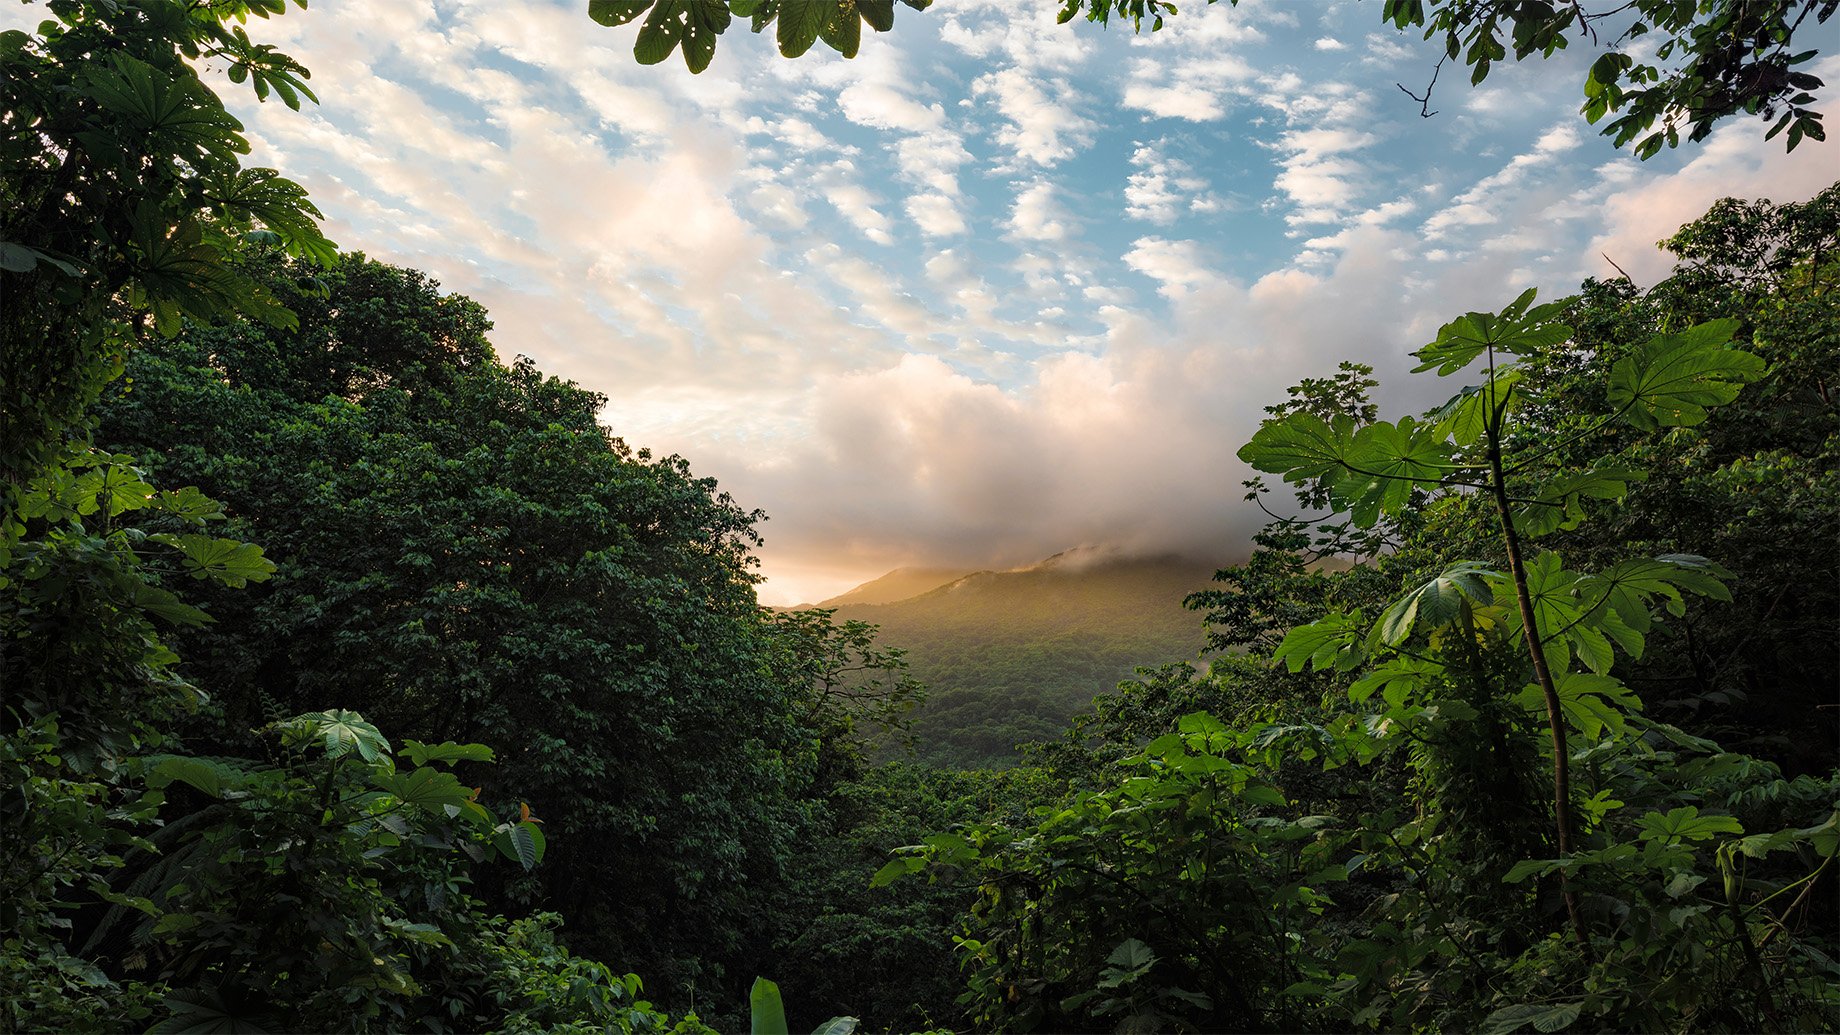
(1009,657)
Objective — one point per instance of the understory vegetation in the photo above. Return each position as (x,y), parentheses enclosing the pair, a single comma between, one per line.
(357,680)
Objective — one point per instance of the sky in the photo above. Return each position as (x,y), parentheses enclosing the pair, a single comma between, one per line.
(995,288)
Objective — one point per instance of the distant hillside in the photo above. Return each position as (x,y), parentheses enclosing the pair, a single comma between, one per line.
(1011,656)
(899,584)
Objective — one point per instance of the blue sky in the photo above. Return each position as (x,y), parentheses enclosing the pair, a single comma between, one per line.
(995,288)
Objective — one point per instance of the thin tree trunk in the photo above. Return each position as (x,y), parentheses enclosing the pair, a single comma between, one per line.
(1555,719)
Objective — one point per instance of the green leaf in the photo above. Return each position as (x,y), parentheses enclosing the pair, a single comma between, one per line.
(1334,641)
(227,561)
(1437,602)
(19,258)
(342,731)
(426,788)
(768,1011)
(1516,330)
(1685,824)
(843,31)
(878,13)
(1543,1017)
(1560,503)
(663,30)
(1301,447)
(896,868)
(1468,414)
(522,843)
(838,1025)
(617,12)
(801,22)
(1589,701)
(446,751)
(1673,379)
(206,775)
(1385,463)
(1529,868)
(163,604)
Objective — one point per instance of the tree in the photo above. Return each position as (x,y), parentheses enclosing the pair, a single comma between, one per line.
(1715,59)
(464,553)
(124,193)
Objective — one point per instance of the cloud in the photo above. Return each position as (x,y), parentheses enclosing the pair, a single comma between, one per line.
(1037,215)
(1162,188)
(948,302)
(1043,124)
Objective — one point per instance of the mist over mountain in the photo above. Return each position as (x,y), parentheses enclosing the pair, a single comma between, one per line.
(1011,656)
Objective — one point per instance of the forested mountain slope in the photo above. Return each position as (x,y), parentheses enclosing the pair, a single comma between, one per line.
(1010,656)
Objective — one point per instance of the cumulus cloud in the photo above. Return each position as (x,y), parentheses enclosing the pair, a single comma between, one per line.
(947,303)
(1163,188)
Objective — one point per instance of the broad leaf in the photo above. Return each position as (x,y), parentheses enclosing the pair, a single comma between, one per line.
(1590,702)
(1469,413)
(801,22)
(522,843)
(767,1009)
(1385,463)
(1436,602)
(206,775)
(617,12)
(1301,447)
(425,788)
(1560,502)
(1544,1017)
(343,731)
(446,751)
(1333,641)
(1517,330)
(233,563)
(1686,824)
(1673,379)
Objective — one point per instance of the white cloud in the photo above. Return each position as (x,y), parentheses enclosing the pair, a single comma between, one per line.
(1162,188)
(1038,215)
(1044,126)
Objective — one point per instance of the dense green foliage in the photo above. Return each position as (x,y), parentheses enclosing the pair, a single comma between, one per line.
(464,554)
(1371,834)
(1486,778)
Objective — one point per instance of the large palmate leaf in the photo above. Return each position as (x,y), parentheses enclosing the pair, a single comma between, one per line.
(1301,447)
(1586,614)
(277,204)
(425,788)
(1397,680)
(1517,330)
(1591,702)
(1686,824)
(1333,641)
(1436,602)
(1560,504)
(1672,379)
(1469,413)
(233,563)
(343,731)
(1385,463)
(447,751)
(179,115)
